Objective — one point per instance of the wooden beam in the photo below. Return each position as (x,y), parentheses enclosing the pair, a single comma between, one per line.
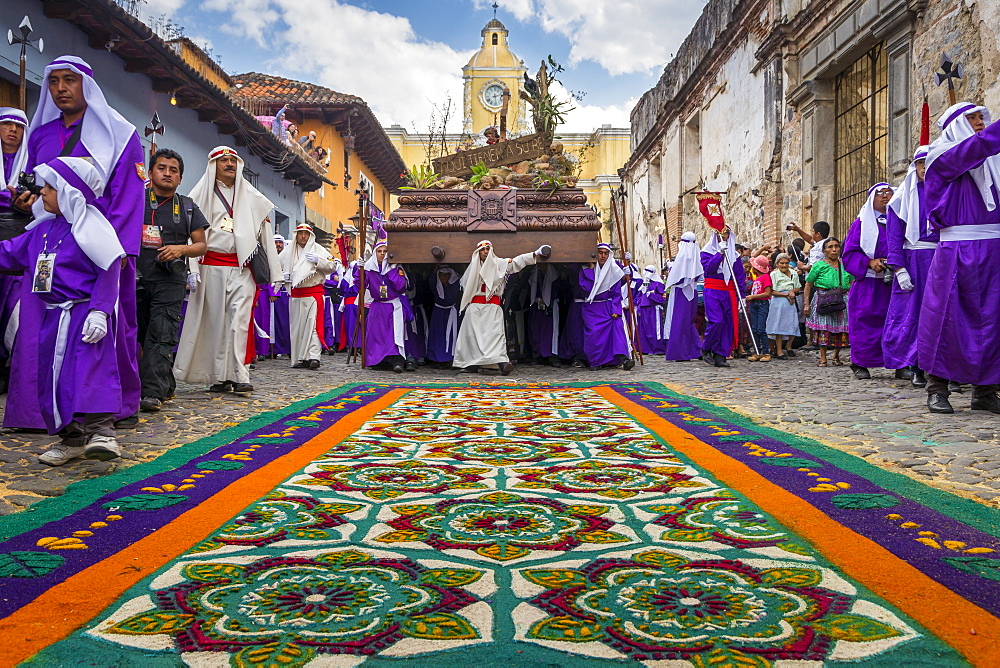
(62,9)
(140,65)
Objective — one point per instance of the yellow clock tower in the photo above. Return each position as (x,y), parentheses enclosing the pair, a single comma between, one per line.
(491,69)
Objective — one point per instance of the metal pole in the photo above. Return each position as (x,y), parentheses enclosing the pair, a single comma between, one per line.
(739,299)
(629,315)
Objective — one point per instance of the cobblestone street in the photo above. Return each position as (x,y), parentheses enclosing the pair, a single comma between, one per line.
(883,420)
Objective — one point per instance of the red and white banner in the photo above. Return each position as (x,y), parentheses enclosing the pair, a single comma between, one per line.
(710,205)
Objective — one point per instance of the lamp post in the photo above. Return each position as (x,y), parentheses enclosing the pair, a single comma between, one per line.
(25,41)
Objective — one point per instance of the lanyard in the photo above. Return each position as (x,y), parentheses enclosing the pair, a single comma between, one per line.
(45,241)
(222,198)
(154,205)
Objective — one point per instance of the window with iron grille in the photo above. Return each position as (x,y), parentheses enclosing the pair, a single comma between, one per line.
(251,176)
(862,135)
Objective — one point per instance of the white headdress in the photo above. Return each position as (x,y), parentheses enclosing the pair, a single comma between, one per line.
(955,128)
(906,200)
(542,289)
(492,272)
(605,277)
(15,115)
(77,184)
(250,207)
(869,220)
(104,132)
(716,246)
(436,282)
(372,264)
(685,273)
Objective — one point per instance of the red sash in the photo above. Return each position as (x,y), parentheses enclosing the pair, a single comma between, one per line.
(213,259)
(480,299)
(316,292)
(719,284)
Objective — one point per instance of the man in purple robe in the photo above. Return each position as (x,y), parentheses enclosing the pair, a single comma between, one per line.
(605,339)
(416,328)
(866,251)
(74,119)
(680,327)
(911,245)
(543,313)
(349,308)
(13,148)
(385,320)
(725,285)
(73,258)
(443,329)
(958,335)
(571,338)
(649,299)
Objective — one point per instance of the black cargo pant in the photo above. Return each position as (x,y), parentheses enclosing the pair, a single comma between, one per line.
(158,307)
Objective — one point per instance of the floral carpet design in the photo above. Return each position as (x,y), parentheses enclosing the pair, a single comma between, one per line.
(495,524)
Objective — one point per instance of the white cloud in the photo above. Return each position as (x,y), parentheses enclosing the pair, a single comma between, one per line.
(623,37)
(587,117)
(373,55)
(154,8)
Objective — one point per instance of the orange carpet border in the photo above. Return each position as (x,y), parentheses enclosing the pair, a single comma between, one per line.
(74,602)
(960,623)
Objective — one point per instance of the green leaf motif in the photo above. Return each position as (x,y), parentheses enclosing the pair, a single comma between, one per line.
(981,566)
(726,657)
(152,623)
(29,564)
(213,572)
(557,578)
(145,502)
(345,558)
(864,501)
(450,577)
(854,628)
(286,655)
(439,626)
(791,577)
(791,462)
(661,559)
(566,629)
(219,465)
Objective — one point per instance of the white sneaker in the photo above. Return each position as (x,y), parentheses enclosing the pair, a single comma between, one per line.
(102,448)
(59,454)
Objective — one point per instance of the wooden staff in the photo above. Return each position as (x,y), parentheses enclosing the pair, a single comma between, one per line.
(636,344)
(363,235)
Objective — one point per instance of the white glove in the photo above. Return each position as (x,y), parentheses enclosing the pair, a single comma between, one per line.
(193,279)
(543,251)
(628,256)
(95,327)
(287,277)
(276,287)
(903,277)
(311,257)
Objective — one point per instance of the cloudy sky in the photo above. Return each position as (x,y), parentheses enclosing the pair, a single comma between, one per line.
(403,56)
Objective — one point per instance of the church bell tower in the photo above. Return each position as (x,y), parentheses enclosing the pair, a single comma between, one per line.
(491,69)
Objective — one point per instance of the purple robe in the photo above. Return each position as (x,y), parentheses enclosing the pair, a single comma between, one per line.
(869,299)
(684,342)
(262,316)
(571,338)
(416,332)
(88,379)
(122,202)
(722,314)
(958,336)
(650,322)
(899,339)
(6,196)
(441,342)
(604,336)
(282,344)
(379,341)
(330,315)
(349,314)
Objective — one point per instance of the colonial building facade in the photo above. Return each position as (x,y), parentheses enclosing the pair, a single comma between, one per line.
(794,108)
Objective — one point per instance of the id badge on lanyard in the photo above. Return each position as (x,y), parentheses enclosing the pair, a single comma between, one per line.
(151,237)
(45,266)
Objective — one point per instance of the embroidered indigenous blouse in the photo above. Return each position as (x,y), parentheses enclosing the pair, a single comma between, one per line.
(823,276)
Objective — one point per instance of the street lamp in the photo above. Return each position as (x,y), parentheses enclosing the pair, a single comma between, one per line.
(24,40)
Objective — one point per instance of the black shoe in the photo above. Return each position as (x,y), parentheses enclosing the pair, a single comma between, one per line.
(938,403)
(860,372)
(411,365)
(955,387)
(301,364)
(991,403)
(919,379)
(791,353)
(554,362)
(903,374)
(224,386)
(577,364)
(719,360)
(628,365)
(127,422)
(150,404)
(707,357)
(242,388)
(313,364)
(490,372)
(506,369)
(397,368)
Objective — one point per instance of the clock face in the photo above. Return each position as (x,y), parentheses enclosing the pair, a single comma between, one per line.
(493,95)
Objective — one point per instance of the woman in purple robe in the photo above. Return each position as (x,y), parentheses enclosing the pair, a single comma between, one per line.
(725,287)
(958,335)
(386,317)
(911,244)
(73,261)
(866,250)
(443,329)
(605,340)
(649,300)
(680,321)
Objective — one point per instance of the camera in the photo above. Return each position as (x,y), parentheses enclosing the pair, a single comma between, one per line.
(177,265)
(26,184)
